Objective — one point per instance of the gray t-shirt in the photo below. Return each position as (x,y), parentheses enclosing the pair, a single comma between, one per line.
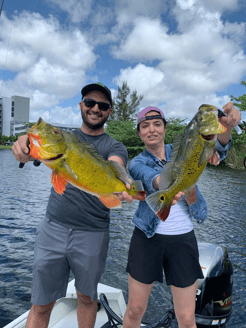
(77,209)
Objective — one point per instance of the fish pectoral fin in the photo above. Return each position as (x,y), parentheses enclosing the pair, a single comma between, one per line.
(58,182)
(206,153)
(70,170)
(110,201)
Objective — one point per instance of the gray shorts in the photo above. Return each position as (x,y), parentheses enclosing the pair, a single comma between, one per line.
(57,250)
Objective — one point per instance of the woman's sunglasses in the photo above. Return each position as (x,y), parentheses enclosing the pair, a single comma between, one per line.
(91,103)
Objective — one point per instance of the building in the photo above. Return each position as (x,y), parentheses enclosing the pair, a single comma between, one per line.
(66,127)
(14,113)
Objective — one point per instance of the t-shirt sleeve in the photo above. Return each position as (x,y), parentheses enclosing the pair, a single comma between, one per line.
(118,149)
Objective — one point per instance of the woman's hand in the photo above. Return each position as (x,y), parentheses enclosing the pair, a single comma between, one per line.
(229,121)
(191,198)
(177,197)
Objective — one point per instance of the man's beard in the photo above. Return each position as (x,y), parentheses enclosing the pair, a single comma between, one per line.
(94,126)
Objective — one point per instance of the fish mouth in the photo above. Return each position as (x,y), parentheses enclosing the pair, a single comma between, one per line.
(208,137)
(53,158)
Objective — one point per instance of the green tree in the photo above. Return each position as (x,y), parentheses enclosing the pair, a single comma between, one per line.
(237,151)
(123,108)
(13,138)
(4,138)
(242,100)
(126,132)
(175,126)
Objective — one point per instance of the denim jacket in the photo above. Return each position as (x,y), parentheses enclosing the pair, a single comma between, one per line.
(146,167)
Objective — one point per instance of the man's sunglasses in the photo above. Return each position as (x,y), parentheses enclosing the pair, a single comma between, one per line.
(91,103)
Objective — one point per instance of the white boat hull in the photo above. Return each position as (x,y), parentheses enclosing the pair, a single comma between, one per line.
(64,313)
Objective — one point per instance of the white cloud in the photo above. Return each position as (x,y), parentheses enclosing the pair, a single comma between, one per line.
(209,5)
(205,55)
(132,8)
(58,114)
(78,10)
(142,78)
(177,69)
(47,58)
(172,98)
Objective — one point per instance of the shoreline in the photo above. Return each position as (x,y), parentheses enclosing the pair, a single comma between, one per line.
(5,147)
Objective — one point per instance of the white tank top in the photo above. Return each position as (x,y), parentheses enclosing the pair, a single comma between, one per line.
(179,220)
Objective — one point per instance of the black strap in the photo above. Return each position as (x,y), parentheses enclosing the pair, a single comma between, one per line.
(152,117)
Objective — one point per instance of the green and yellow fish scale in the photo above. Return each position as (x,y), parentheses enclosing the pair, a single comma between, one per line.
(191,152)
(79,163)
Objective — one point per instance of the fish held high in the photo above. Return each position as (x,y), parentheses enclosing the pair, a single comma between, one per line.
(190,155)
(79,163)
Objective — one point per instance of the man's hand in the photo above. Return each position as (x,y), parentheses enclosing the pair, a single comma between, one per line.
(124,196)
(21,151)
(229,121)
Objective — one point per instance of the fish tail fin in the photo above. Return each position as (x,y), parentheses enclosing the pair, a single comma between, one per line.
(110,201)
(137,191)
(159,204)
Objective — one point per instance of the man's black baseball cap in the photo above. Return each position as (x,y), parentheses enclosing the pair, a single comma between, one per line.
(97,86)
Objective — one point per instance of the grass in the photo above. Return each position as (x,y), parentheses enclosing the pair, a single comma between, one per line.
(5,147)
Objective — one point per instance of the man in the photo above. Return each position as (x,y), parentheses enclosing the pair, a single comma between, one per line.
(75,231)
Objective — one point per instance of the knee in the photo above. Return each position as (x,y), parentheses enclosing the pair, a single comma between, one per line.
(135,312)
(84,299)
(186,319)
(43,310)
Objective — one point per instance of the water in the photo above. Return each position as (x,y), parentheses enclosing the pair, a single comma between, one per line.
(24,195)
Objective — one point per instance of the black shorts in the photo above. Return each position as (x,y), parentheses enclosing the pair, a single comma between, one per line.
(177,254)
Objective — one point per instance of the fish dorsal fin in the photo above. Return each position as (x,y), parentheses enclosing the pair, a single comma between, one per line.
(92,150)
(168,173)
(176,145)
(166,176)
(119,172)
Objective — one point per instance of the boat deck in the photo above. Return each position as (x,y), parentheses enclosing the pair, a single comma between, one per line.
(64,314)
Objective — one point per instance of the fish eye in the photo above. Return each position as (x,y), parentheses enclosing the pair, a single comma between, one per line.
(200,119)
(56,131)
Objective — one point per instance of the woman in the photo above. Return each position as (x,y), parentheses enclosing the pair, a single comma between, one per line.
(169,245)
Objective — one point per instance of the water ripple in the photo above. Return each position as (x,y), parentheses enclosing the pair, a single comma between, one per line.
(24,196)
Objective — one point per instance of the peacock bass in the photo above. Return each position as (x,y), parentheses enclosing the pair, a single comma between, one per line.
(79,163)
(190,155)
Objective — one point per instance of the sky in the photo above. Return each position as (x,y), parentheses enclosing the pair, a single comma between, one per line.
(178,54)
